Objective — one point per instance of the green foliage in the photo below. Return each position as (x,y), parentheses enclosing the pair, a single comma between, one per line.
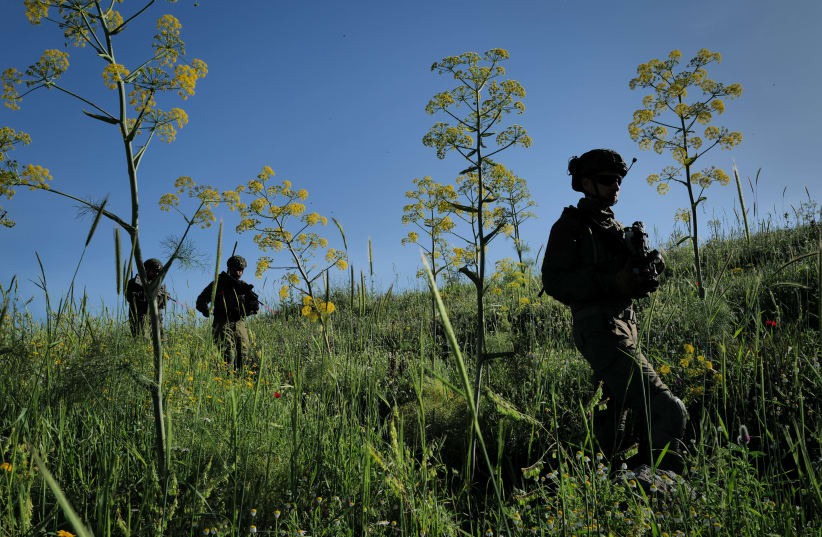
(373,438)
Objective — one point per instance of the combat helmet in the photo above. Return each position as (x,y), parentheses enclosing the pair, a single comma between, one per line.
(236,262)
(593,162)
(153,264)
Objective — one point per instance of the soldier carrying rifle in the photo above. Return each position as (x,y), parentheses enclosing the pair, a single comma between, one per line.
(138,301)
(234,299)
(597,267)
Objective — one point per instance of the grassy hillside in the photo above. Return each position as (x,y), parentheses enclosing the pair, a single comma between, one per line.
(373,438)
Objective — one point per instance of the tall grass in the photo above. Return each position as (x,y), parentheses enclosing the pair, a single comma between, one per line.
(375,438)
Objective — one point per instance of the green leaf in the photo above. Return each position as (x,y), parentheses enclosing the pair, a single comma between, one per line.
(106,119)
(466,208)
(65,505)
(96,220)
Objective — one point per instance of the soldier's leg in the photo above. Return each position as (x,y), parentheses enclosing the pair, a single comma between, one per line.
(594,339)
(223,339)
(609,424)
(661,413)
(136,323)
(242,344)
(635,384)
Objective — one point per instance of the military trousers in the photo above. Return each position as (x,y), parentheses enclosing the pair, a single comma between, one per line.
(232,338)
(140,324)
(608,341)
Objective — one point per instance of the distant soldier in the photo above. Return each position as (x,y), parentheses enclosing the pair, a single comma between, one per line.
(138,301)
(234,300)
(591,264)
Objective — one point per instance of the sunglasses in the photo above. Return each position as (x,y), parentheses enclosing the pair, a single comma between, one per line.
(608,179)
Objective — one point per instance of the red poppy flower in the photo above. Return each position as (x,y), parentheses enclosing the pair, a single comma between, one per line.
(277,395)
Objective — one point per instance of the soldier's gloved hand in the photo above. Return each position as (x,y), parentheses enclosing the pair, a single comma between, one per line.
(659,261)
(628,282)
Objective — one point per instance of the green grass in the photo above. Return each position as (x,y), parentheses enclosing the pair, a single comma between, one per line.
(373,439)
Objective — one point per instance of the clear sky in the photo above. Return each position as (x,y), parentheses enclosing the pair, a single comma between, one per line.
(332,94)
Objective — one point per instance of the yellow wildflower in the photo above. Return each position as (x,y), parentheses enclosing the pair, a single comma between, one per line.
(266,173)
(259,204)
(295,209)
(113,74)
(36,10)
(688,348)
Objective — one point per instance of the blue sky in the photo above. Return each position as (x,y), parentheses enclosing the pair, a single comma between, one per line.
(331,95)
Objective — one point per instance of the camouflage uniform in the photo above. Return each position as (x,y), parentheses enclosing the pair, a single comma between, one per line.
(584,261)
(235,300)
(138,301)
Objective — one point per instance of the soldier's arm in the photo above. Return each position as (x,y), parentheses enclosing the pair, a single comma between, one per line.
(204,298)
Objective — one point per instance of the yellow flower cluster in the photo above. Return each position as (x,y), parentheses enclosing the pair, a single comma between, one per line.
(263,264)
(294,208)
(314,308)
(36,10)
(255,186)
(683,215)
(186,76)
(35,176)
(11,77)
(165,123)
(169,25)
(113,74)
(51,65)
(167,42)
(314,218)
(167,201)
(259,205)
(142,98)
(698,372)
(267,173)
(113,19)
